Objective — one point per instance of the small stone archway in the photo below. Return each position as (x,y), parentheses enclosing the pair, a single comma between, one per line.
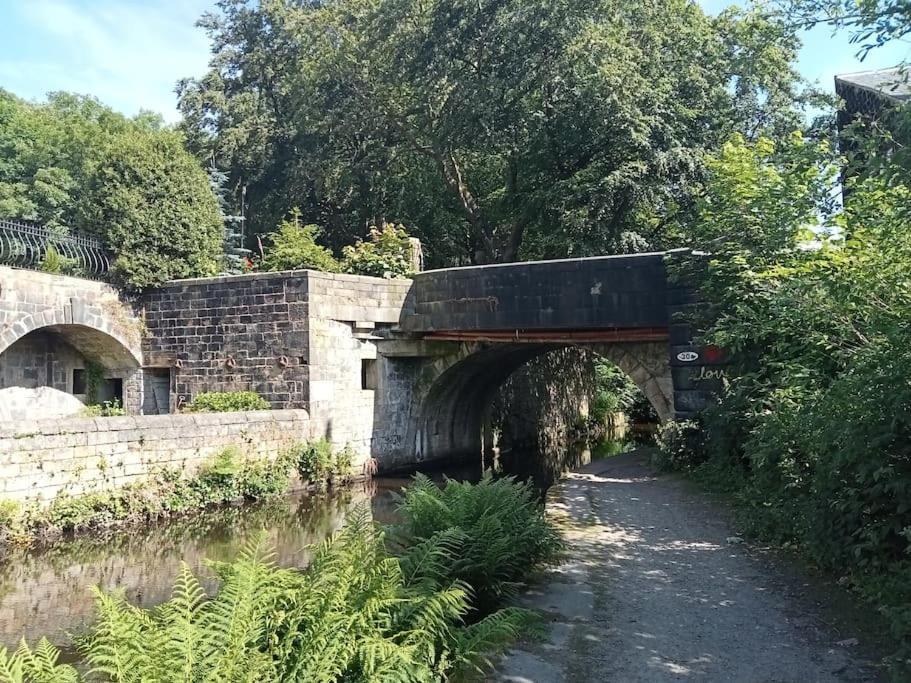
(34,355)
(94,331)
(442,399)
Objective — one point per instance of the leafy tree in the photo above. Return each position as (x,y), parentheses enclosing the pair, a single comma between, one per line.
(812,433)
(873,23)
(294,247)
(152,203)
(236,255)
(504,128)
(387,254)
(72,163)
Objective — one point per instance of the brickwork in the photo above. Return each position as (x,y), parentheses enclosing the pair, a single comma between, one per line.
(40,460)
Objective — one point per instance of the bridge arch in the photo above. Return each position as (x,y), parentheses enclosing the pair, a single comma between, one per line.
(454,391)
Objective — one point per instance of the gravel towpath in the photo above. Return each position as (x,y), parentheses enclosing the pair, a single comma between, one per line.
(656,587)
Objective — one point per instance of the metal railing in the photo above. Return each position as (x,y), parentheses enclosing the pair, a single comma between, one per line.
(27,245)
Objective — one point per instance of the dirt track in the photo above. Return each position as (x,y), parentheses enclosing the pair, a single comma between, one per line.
(656,588)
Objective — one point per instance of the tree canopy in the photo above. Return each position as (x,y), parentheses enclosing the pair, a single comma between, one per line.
(494,129)
(873,23)
(73,163)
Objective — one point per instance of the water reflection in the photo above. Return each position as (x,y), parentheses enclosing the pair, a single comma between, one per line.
(47,593)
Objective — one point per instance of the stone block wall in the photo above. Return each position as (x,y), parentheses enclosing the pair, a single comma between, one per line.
(345,313)
(299,339)
(40,460)
(606,292)
(238,333)
(40,359)
(51,324)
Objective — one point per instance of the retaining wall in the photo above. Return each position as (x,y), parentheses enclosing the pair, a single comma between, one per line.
(39,460)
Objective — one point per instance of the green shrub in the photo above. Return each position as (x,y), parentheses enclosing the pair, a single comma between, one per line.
(227,402)
(680,445)
(497,528)
(9,511)
(57,264)
(355,614)
(610,448)
(387,254)
(153,205)
(317,462)
(264,480)
(615,392)
(217,480)
(294,247)
(342,463)
(106,409)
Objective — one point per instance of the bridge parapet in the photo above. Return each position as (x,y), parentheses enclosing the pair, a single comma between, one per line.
(600,293)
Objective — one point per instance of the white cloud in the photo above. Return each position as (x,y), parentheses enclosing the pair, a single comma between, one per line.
(127,53)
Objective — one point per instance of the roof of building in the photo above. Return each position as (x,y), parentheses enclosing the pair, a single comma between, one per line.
(892,84)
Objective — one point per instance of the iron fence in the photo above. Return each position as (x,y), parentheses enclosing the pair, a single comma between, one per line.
(27,245)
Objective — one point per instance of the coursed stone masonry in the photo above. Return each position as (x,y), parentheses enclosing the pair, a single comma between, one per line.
(43,459)
(51,324)
(299,339)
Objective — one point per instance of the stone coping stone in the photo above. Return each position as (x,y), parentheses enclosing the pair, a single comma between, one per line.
(27,428)
(285,275)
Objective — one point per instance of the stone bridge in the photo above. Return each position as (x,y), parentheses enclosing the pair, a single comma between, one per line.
(464,331)
(400,370)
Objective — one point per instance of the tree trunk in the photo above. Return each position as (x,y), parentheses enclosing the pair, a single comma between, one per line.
(480,228)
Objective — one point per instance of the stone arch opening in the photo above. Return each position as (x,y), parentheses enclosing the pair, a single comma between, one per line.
(58,357)
(451,420)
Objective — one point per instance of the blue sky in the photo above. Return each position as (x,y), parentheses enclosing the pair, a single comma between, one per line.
(130,53)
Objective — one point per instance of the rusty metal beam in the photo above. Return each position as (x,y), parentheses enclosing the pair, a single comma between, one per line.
(552,336)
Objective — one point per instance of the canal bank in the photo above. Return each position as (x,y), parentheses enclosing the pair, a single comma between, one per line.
(48,591)
(656,586)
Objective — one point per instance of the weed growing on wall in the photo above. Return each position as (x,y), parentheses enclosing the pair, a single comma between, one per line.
(227,402)
(319,464)
(106,409)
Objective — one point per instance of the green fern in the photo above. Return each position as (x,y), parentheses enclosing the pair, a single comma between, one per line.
(497,534)
(357,614)
(35,666)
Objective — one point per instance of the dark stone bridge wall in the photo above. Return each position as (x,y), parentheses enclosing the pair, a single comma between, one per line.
(266,332)
(602,293)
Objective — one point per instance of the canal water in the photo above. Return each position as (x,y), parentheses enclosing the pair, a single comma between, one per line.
(48,592)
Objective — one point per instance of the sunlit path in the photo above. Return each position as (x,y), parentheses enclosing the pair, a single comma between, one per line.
(656,589)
